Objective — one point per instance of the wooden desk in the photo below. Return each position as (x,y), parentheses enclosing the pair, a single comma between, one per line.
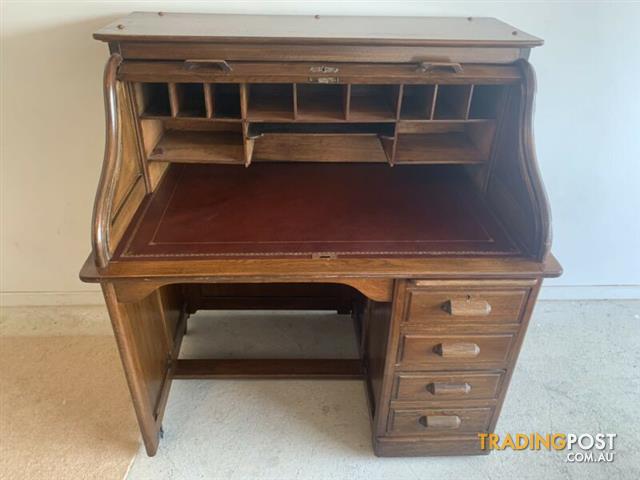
(259,162)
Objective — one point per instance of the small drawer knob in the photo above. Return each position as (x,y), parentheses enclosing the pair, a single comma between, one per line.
(440,422)
(196,63)
(448,388)
(467,308)
(427,67)
(457,350)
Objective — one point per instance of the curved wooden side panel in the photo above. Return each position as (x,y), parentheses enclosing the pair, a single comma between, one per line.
(121,187)
(514,189)
(110,167)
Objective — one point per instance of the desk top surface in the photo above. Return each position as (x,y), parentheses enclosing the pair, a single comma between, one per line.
(290,29)
(298,210)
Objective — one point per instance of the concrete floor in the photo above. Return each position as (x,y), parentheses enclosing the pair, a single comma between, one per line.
(578,373)
(65,411)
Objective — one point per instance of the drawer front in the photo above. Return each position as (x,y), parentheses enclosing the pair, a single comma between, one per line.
(471,306)
(436,421)
(447,386)
(453,351)
(310,72)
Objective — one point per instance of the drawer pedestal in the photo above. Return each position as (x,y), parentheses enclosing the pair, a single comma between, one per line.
(451,351)
(382,167)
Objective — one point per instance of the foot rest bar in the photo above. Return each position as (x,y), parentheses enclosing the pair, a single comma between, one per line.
(268,368)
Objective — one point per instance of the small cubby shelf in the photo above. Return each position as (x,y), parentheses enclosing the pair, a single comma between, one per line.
(225,101)
(307,122)
(373,102)
(324,142)
(270,102)
(190,100)
(321,103)
(444,142)
(198,146)
(152,99)
(417,102)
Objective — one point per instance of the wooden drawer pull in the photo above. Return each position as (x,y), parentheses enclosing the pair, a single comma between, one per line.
(467,308)
(442,422)
(426,67)
(457,350)
(219,64)
(449,388)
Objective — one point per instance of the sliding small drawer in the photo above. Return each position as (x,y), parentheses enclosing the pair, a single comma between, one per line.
(436,421)
(214,69)
(436,307)
(477,351)
(447,386)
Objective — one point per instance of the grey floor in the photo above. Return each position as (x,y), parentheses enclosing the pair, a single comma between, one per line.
(578,373)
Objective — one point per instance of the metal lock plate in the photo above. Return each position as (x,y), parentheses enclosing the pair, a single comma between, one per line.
(323,69)
(326,80)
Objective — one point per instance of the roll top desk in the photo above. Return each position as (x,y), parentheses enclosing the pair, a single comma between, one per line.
(257,162)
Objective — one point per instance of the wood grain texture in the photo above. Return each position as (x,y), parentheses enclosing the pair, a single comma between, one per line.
(435,421)
(308,269)
(378,289)
(148,335)
(198,147)
(476,383)
(121,218)
(450,148)
(122,186)
(376,331)
(272,296)
(130,171)
(269,368)
(467,308)
(434,306)
(103,204)
(319,147)
(141,50)
(420,446)
(143,363)
(449,386)
(514,188)
(296,30)
(448,352)
(439,266)
(303,72)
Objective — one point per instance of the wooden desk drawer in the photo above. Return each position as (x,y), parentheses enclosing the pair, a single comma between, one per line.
(454,351)
(435,421)
(466,306)
(309,72)
(447,386)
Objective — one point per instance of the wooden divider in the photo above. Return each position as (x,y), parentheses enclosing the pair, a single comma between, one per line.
(211,123)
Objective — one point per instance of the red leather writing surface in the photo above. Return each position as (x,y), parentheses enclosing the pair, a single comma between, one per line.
(273,209)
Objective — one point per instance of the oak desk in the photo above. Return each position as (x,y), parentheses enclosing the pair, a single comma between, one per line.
(380,167)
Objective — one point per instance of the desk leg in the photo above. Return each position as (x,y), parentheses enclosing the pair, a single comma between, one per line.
(148,333)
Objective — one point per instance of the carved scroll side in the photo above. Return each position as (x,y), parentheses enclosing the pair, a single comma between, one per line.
(102,208)
(514,187)
(542,212)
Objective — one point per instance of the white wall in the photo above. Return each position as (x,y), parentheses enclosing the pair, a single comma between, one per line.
(587,131)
